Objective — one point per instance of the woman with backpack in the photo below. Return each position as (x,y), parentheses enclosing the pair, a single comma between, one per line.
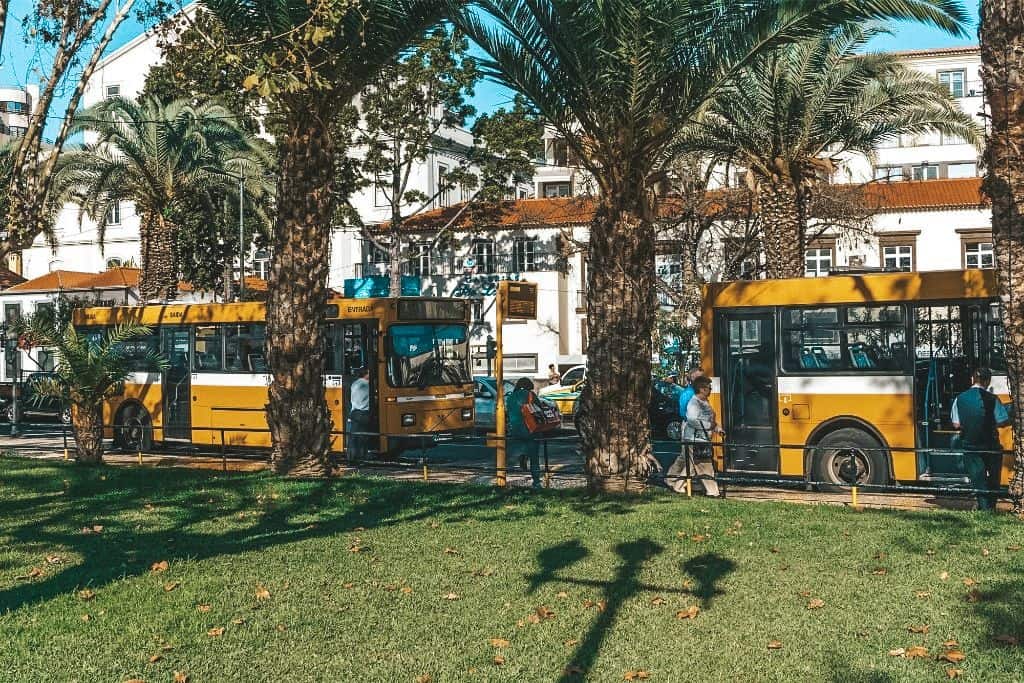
(520,441)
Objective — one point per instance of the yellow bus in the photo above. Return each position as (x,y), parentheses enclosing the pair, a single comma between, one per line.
(839,379)
(214,391)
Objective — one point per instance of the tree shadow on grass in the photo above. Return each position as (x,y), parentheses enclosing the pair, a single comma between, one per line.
(707,570)
(149,515)
(553,559)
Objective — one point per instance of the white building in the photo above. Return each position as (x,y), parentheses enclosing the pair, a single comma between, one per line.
(17,104)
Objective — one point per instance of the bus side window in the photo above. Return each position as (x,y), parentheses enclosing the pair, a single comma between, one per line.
(208,348)
(243,347)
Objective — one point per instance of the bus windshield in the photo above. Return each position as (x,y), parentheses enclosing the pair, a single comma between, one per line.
(426,355)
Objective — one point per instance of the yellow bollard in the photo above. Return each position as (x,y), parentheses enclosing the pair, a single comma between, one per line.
(425,477)
(66,454)
(140,457)
(853,496)
(689,488)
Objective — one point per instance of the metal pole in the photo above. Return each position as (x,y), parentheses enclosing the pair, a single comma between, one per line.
(499,376)
(241,238)
(15,412)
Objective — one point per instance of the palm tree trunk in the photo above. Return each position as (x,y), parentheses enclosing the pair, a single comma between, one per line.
(299,420)
(621,304)
(87,425)
(1002,54)
(159,277)
(783,224)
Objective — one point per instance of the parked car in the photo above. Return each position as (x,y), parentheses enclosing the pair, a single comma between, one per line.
(484,389)
(30,406)
(570,378)
(663,409)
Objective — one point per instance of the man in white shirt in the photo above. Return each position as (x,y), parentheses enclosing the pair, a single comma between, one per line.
(358,417)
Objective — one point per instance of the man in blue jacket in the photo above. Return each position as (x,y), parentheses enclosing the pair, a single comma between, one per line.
(687,393)
(978,414)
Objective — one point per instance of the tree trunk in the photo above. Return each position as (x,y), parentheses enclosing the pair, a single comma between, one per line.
(300,423)
(159,277)
(395,264)
(87,425)
(1002,54)
(621,304)
(783,223)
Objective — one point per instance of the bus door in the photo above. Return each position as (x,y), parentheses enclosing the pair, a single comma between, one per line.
(177,386)
(748,392)
(353,345)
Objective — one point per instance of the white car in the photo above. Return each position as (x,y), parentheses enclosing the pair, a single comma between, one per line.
(572,376)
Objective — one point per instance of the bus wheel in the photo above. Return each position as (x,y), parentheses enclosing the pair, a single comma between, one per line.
(133,429)
(849,456)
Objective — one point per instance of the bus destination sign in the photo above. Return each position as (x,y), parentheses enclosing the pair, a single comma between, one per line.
(520,300)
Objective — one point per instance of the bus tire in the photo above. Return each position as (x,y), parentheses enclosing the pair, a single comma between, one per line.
(133,429)
(848,456)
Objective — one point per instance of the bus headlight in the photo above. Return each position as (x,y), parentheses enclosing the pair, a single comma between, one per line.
(467,414)
(408,419)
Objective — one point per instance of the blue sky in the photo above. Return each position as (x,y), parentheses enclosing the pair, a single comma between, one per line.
(21,61)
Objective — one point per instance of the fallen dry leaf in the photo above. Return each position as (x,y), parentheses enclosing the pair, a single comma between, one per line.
(406,590)
(600,604)
(974,595)
(880,571)
(968,581)
(155,658)
(54,559)
(135,680)
(499,642)
(922,594)
(572,670)
(203,607)
(638,675)
(950,644)
(916,652)
(1006,639)
(86,617)
(773,550)
(929,552)
(879,555)
(698,538)
(774,644)
(86,594)
(238,621)
(690,612)
(180,677)
(32,573)
(424,678)
(160,566)
(451,551)
(897,652)
(561,595)
(571,643)
(944,576)
(545,612)
(1013,548)
(816,603)
(171,585)
(658,601)
(954,673)
(281,628)
(348,585)
(216,632)
(451,596)
(261,592)
(985,552)
(498,660)
(923,628)
(952,656)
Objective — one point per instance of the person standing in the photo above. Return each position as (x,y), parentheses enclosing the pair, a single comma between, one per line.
(700,423)
(688,392)
(978,414)
(359,417)
(520,442)
(554,378)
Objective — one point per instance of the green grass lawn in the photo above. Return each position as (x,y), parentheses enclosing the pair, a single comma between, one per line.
(365,579)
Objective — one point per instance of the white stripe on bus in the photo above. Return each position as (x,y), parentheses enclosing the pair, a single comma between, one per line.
(429,397)
(847,384)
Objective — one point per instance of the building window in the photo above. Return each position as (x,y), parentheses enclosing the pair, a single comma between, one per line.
(560,152)
(483,256)
(926,172)
(963,170)
(898,257)
(112,91)
(890,142)
(443,191)
(520,363)
(978,255)
(114,214)
(954,80)
(817,261)
(556,190)
(888,173)
(524,254)
(523,194)
(948,139)
(419,259)
(261,264)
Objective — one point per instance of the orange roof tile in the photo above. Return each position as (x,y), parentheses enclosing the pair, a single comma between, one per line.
(8,278)
(54,281)
(562,211)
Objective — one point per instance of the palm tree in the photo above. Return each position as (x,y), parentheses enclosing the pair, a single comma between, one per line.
(165,158)
(793,113)
(1002,56)
(618,79)
(318,55)
(90,369)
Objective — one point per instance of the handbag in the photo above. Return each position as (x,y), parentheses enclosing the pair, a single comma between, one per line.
(539,415)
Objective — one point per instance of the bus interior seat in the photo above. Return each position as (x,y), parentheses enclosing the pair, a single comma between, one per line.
(257,363)
(807,360)
(206,361)
(820,356)
(859,356)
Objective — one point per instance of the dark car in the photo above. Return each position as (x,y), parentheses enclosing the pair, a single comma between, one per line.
(31,405)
